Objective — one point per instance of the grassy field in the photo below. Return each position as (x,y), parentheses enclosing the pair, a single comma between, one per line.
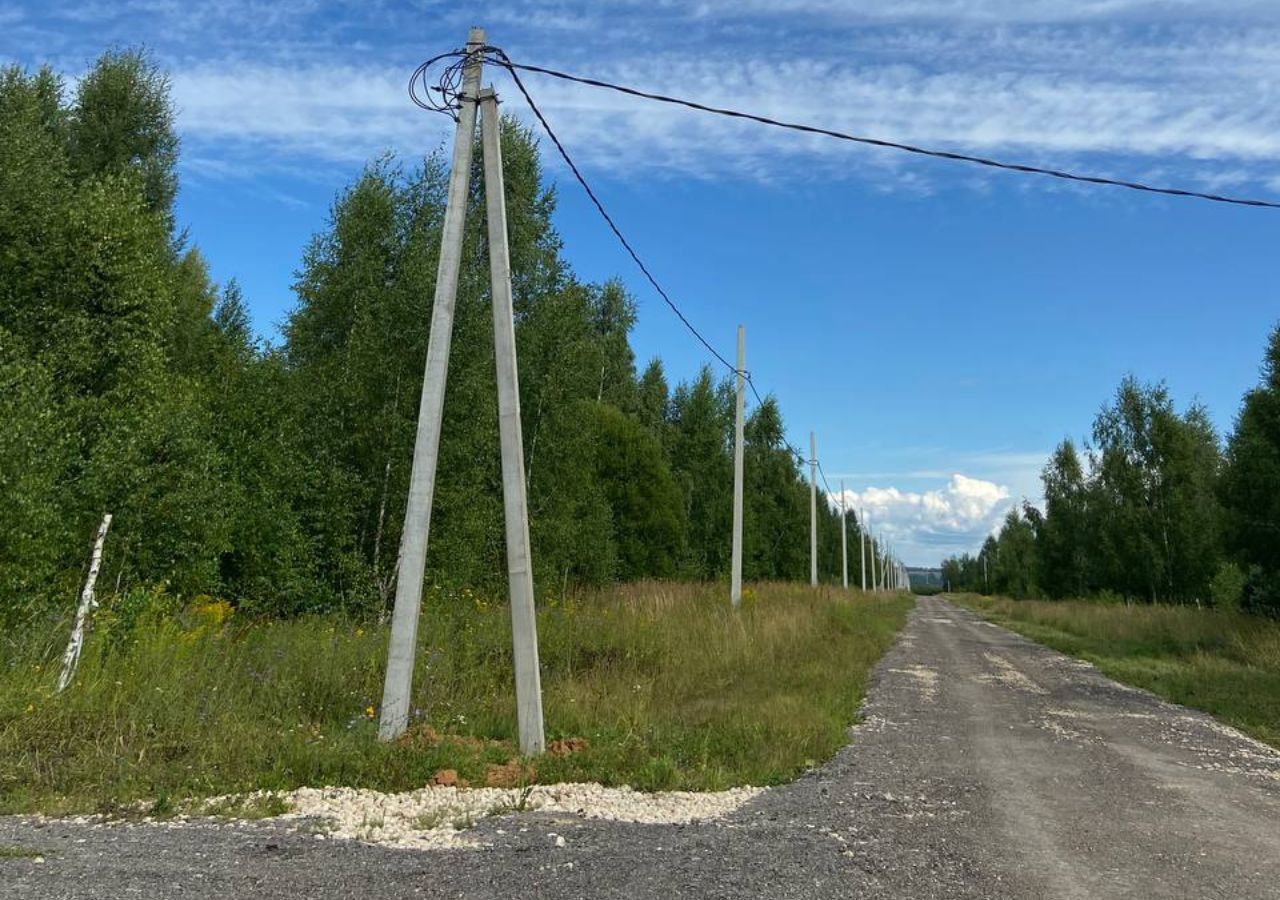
(1227,664)
(668,687)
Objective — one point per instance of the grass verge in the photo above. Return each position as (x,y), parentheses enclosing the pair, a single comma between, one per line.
(1227,664)
(668,687)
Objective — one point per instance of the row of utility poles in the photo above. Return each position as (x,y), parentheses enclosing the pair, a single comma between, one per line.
(413,547)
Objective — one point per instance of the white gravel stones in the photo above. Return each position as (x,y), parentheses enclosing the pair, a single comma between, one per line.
(1011,675)
(925,678)
(438,817)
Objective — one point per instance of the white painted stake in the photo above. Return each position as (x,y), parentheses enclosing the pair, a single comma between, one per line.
(862,542)
(422,478)
(524,624)
(844,540)
(813,509)
(735,579)
(88,603)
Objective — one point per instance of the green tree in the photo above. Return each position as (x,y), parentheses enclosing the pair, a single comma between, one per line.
(122,122)
(1251,485)
(1159,521)
(1065,536)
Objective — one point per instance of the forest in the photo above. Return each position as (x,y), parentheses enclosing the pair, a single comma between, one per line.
(1153,508)
(272,474)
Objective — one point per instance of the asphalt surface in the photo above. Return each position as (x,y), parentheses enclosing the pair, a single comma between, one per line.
(988,766)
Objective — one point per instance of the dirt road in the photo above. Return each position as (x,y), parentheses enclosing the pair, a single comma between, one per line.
(988,766)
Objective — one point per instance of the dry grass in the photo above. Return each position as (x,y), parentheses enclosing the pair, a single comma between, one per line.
(669,687)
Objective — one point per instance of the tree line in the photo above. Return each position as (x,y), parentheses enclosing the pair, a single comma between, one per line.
(275,475)
(1156,508)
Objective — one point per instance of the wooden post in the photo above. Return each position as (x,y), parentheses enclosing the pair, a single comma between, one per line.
(88,603)
(844,541)
(524,623)
(735,578)
(813,509)
(422,478)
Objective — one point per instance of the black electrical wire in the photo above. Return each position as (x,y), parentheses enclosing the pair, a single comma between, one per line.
(581,179)
(496,56)
(892,145)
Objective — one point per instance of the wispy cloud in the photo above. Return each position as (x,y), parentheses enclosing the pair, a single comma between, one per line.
(1111,85)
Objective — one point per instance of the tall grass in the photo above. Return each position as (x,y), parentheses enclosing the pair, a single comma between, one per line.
(1226,663)
(669,687)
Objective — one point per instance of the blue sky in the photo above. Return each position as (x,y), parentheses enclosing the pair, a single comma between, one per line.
(941,327)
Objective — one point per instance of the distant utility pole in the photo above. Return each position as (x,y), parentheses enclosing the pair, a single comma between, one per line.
(422,477)
(813,509)
(862,543)
(985,580)
(735,580)
(404,621)
(844,540)
(871,538)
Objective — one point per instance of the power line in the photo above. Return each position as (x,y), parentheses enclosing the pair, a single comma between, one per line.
(892,145)
(564,154)
(581,179)
(449,91)
(446,96)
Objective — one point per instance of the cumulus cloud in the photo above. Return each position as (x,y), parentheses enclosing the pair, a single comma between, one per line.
(952,518)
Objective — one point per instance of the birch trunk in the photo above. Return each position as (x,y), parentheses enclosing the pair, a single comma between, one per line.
(87,604)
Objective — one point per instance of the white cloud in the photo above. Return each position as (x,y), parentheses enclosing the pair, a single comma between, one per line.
(1208,117)
(930,524)
(1115,86)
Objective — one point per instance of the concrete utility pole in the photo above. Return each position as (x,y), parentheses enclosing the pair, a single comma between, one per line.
(735,580)
(875,584)
(813,509)
(422,477)
(862,541)
(524,624)
(844,541)
(985,580)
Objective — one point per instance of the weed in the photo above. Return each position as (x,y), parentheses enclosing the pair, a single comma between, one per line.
(657,685)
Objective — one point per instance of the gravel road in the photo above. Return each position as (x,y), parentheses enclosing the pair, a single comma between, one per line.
(988,766)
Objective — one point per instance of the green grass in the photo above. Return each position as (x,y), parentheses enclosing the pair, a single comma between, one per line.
(12,851)
(670,688)
(1225,663)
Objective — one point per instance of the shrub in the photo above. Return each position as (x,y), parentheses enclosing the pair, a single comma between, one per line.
(1227,587)
(1262,592)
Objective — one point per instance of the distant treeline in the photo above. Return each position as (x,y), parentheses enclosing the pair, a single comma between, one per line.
(275,476)
(1157,510)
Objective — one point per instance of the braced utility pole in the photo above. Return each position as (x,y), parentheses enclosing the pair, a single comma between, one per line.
(524,625)
(813,509)
(735,580)
(422,478)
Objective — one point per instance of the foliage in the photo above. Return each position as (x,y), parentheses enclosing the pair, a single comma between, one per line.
(1159,513)
(1251,486)
(276,476)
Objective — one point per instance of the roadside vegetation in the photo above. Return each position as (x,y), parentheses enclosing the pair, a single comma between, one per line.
(1157,509)
(1221,661)
(656,685)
